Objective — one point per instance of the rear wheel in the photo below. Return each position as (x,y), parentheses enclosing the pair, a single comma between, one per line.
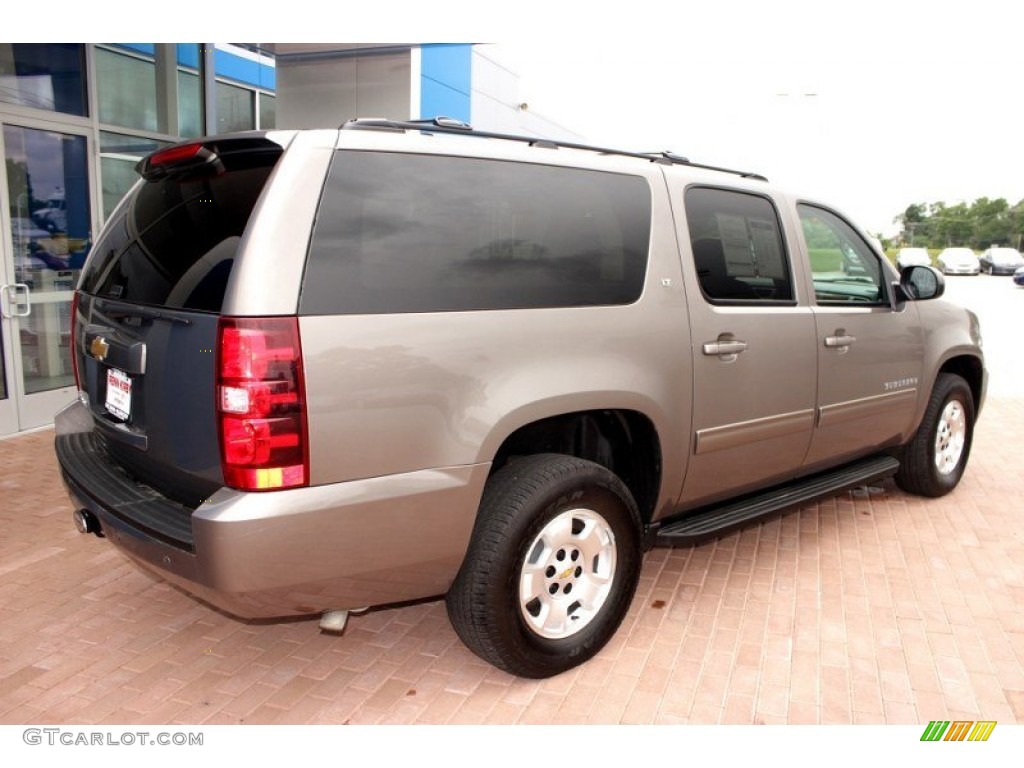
(551,568)
(934,460)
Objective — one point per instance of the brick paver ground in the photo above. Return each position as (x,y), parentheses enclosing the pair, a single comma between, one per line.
(871,607)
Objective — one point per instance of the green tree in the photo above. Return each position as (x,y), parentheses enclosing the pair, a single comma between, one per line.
(992,223)
(953,225)
(1016,214)
(978,225)
(913,222)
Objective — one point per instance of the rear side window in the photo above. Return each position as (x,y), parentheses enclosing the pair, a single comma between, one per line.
(425,233)
(737,246)
(174,240)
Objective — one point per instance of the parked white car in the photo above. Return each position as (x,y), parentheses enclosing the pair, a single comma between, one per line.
(913,257)
(958,261)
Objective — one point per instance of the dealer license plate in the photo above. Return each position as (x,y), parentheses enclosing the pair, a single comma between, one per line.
(119,393)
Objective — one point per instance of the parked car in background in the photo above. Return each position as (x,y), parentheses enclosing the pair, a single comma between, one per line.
(53,217)
(1018,276)
(1001,261)
(913,257)
(958,261)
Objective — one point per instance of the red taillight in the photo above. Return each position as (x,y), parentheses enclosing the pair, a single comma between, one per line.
(261,403)
(71,343)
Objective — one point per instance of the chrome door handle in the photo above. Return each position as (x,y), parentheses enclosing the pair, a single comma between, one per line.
(713,348)
(839,341)
(6,301)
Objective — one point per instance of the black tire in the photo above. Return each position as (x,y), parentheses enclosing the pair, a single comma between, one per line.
(920,471)
(535,494)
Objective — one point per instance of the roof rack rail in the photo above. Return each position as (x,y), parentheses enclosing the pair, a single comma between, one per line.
(452,125)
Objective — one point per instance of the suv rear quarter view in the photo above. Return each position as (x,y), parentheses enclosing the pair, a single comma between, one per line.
(326,370)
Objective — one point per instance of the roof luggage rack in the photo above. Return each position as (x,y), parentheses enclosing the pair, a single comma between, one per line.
(451,125)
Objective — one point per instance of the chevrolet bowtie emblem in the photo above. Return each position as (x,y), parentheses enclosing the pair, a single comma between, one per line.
(99,348)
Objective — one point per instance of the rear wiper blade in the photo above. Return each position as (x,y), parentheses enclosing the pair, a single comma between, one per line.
(149,314)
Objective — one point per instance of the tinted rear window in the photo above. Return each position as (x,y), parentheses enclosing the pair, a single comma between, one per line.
(424,233)
(174,242)
(737,246)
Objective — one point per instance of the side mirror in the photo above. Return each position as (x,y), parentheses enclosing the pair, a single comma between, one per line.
(921,283)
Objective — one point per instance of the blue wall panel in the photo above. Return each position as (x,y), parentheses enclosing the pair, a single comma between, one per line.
(446,80)
(244,70)
(188,55)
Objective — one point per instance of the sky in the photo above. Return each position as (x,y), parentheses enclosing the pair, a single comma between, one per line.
(868,111)
(868,106)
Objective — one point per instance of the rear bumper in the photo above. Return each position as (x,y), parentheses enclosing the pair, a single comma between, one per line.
(295,552)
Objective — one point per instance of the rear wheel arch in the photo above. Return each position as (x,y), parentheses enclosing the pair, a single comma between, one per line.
(624,441)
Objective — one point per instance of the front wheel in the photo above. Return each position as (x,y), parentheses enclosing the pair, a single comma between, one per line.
(933,462)
(551,568)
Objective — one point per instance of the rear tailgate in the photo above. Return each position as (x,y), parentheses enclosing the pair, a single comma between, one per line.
(148,308)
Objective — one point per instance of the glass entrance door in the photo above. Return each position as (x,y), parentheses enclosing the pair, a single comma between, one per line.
(49,231)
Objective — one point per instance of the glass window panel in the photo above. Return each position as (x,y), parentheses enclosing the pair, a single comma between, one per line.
(268,112)
(190,104)
(118,156)
(737,246)
(174,243)
(422,233)
(43,75)
(844,266)
(234,109)
(126,90)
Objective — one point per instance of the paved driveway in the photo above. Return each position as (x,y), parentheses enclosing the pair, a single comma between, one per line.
(870,607)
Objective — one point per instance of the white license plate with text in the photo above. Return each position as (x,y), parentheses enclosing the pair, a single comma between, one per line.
(119,393)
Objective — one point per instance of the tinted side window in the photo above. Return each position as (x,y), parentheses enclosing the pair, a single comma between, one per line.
(737,246)
(424,233)
(174,242)
(844,266)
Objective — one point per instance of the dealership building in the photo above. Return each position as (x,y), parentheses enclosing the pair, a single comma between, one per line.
(76,118)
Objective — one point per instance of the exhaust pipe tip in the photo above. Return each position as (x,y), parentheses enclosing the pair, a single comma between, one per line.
(86,522)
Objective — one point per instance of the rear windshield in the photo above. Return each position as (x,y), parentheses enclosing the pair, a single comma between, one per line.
(174,241)
(422,233)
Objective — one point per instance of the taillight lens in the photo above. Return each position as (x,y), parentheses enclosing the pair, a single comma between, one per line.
(71,343)
(261,403)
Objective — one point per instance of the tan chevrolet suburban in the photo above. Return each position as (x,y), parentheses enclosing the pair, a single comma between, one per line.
(330,369)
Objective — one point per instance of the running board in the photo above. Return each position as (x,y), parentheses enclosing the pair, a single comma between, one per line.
(716,521)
